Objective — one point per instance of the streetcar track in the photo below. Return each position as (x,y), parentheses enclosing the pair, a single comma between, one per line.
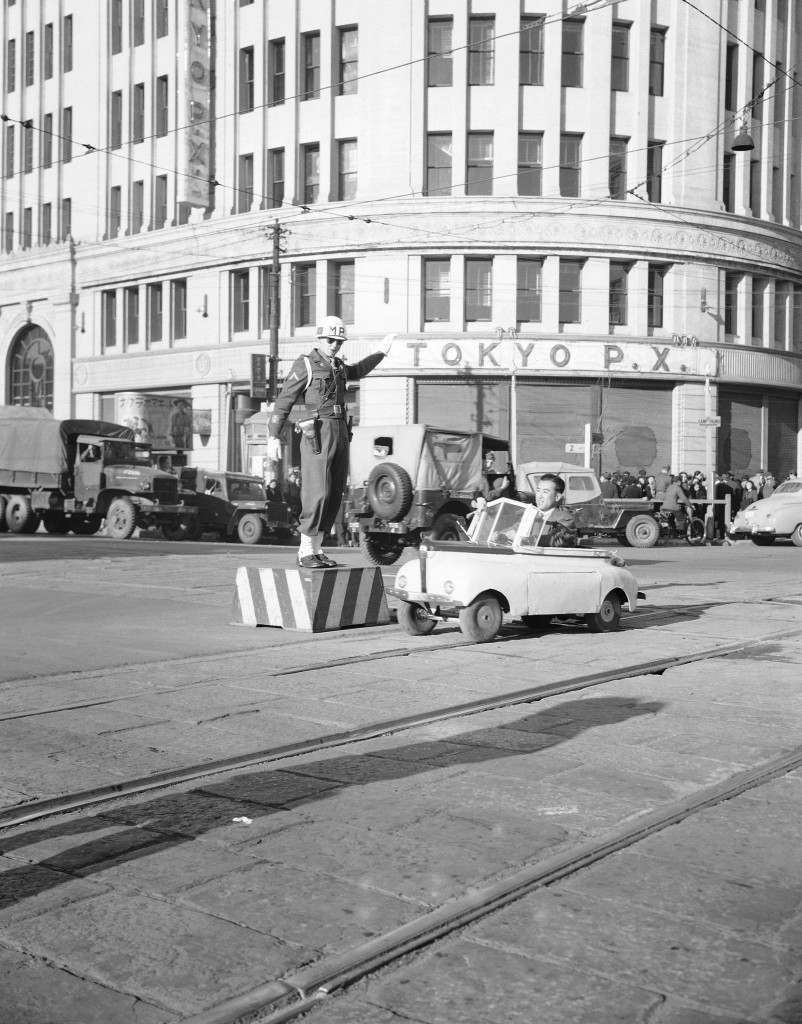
(36,810)
(287,998)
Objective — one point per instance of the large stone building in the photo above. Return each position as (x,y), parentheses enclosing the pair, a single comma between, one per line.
(541,199)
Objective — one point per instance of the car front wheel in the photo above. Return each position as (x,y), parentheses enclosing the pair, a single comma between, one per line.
(481,620)
(415,619)
(250,529)
(607,617)
(796,536)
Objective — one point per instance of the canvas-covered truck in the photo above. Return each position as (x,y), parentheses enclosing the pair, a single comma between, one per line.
(73,474)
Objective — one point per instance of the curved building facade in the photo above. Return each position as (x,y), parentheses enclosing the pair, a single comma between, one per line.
(541,200)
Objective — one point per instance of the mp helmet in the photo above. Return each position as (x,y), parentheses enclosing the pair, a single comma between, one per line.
(332,328)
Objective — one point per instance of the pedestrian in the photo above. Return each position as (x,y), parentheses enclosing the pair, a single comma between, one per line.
(748,493)
(737,492)
(607,487)
(272,490)
(631,488)
(662,480)
(293,491)
(651,487)
(720,492)
(769,485)
(676,503)
(318,380)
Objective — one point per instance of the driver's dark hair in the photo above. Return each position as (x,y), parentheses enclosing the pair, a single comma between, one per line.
(559,483)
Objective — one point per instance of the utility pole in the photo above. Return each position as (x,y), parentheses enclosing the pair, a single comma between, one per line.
(277,232)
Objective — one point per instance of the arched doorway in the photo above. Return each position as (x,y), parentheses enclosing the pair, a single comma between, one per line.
(30,369)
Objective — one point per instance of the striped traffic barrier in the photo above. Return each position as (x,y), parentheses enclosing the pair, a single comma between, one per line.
(310,600)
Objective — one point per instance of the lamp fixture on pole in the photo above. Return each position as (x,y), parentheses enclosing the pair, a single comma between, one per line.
(743,141)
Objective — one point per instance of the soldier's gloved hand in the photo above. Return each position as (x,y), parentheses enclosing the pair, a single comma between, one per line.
(274,448)
(387,343)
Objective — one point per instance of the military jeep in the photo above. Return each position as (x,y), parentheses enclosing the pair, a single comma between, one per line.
(232,505)
(415,480)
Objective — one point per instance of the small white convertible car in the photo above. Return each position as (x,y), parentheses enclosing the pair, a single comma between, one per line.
(500,569)
(778,516)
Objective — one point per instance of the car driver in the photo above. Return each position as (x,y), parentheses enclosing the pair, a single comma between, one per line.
(554,525)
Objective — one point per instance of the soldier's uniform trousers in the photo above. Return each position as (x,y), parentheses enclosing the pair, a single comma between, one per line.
(323,476)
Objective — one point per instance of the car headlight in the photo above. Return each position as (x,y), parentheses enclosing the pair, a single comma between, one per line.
(617,560)
(448,587)
(401,581)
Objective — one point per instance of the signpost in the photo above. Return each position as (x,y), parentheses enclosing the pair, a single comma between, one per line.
(710,421)
(575,449)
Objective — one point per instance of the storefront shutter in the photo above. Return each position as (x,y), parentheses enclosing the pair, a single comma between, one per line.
(739,437)
(783,429)
(465,405)
(636,426)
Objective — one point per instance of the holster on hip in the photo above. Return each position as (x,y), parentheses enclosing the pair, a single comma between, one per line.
(311,431)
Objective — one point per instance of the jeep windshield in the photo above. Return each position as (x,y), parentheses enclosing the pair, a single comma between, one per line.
(120,453)
(790,487)
(246,490)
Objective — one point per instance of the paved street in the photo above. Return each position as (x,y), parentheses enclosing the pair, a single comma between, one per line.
(119,660)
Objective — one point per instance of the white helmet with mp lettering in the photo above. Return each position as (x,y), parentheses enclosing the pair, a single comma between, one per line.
(332,328)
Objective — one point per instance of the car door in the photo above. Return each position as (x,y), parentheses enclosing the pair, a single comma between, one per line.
(560,589)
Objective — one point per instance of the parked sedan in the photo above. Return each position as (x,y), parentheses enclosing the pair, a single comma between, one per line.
(777,516)
(499,569)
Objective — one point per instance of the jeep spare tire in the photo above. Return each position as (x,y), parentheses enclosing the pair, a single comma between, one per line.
(389,491)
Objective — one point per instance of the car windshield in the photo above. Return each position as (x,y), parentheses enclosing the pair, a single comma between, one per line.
(120,453)
(246,490)
(790,487)
(499,523)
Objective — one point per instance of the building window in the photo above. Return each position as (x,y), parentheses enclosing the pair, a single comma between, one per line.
(8,163)
(619,278)
(529,291)
(436,290)
(657,61)
(160,201)
(346,169)
(531,51)
(245,183)
(139,22)
(8,233)
(162,15)
(275,178)
(439,64)
(727,195)
(341,293)
(731,303)
(570,164)
(115,210)
(116,118)
(758,67)
(310,65)
(438,164)
(66,135)
(654,172)
(755,185)
(618,168)
(781,291)
(108,308)
(310,168)
(573,29)
(47,141)
(275,92)
(530,164)
(31,370)
(27,227)
(305,294)
(349,61)
(11,65)
(155,303)
(178,307)
(131,313)
(116,26)
(570,291)
(478,290)
(137,206)
(162,105)
(66,44)
(246,67)
(731,78)
(138,118)
(66,219)
(619,73)
(758,309)
(479,181)
(27,147)
(656,286)
(47,52)
(481,51)
(240,300)
(29,58)
(46,233)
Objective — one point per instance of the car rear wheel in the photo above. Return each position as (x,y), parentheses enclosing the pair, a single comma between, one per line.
(121,519)
(607,617)
(796,536)
(763,540)
(643,531)
(379,548)
(389,491)
(481,620)
(250,529)
(415,619)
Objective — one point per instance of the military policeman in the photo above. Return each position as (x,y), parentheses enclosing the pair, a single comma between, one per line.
(319,381)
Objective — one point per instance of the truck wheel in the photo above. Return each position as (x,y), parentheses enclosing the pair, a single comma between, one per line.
(796,536)
(121,519)
(250,529)
(85,526)
(447,527)
(481,620)
(415,619)
(56,522)
(173,529)
(643,531)
(607,617)
(3,523)
(389,491)
(379,548)
(20,517)
(763,540)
